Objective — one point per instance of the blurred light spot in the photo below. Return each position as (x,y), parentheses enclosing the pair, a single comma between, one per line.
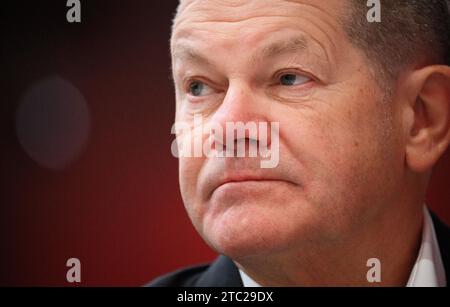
(53,122)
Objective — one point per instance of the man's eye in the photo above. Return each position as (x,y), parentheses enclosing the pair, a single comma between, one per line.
(293,79)
(197,89)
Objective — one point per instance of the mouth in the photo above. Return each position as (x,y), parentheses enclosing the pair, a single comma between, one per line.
(237,180)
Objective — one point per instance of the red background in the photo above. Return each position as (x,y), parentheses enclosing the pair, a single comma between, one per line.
(117,207)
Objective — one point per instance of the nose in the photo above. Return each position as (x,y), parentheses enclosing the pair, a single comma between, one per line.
(243,109)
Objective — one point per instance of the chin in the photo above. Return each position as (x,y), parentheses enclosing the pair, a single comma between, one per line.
(240,248)
(243,231)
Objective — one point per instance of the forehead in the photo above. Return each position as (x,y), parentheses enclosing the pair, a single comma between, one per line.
(246,23)
(244,9)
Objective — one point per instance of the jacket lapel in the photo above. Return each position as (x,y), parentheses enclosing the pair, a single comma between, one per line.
(222,273)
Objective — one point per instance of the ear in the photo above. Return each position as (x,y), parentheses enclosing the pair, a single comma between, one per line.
(428,131)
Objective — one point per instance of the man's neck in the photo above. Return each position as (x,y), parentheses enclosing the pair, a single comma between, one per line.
(394,239)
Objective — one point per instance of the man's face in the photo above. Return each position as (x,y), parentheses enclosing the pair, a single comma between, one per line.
(288,62)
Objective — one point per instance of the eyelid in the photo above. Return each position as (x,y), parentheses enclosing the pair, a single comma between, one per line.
(213,88)
(295,71)
(188,80)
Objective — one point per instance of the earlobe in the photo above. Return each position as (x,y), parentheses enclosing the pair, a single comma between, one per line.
(429,134)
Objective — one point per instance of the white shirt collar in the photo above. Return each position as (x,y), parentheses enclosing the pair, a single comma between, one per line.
(428,271)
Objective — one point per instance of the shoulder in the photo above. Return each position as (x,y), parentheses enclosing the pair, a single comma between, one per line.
(221,273)
(186,277)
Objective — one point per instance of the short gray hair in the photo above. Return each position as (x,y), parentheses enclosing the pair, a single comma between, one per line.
(410,30)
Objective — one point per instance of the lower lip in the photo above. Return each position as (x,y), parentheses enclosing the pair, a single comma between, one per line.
(248,186)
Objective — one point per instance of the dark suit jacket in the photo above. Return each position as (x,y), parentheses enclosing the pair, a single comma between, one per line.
(224,273)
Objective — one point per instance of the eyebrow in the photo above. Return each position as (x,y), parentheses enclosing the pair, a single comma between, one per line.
(185,51)
(273,49)
(278,48)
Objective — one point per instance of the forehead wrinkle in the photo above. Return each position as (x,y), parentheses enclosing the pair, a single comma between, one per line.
(186,52)
(328,45)
(291,45)
(278,48)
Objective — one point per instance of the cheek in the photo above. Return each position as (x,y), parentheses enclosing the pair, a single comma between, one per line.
(189,169)
(344,147)
(190,164)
